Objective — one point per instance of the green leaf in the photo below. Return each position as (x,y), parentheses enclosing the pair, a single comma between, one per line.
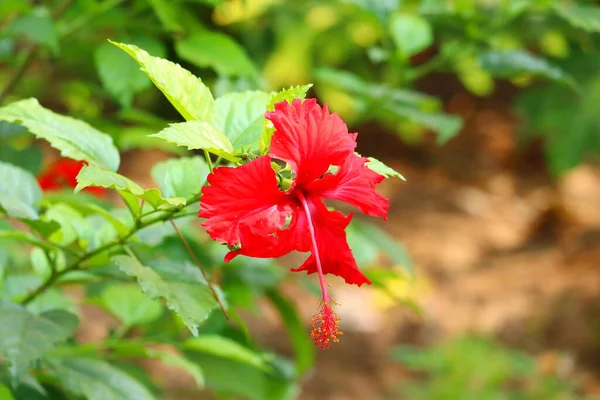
(179,361)
(226,348)
(93,176)
(446,125)
(289,94)
(304,348)
(5,393)
(26,337)
(29,158)
(186,92)
(19,192)
(240,116)
(166,12)
(38,27)
(73,138)
(179,283)
(97,380)
(180,177)
(586,17)
(508,64)
(382,169)
(130,305)
(73,226)
(119,74)
(217,51)
(198,135)
(386,244)
(411,33)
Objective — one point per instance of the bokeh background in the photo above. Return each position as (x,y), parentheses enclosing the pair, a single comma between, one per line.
(490,110)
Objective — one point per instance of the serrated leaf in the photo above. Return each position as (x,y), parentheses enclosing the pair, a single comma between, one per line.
(19,192)
(289,94)
(73,138)
(382,169)
(508,64)
(226,348)
(411,33)
(240,116)
(121,75)
(586,17)
(179,283)
(93,176)
(180,177)
(130,305)
(217,51)
(26,337)
(198,135)
(97,380)
(179,361)
(185,91)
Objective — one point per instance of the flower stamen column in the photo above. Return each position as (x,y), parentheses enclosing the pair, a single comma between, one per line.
(325,324)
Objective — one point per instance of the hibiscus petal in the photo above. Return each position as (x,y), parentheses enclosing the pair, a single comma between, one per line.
(336,256)
(353,183)
(243,196)
(309,138)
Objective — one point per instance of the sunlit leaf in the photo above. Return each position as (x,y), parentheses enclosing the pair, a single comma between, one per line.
(198,135)
(411,33)
(586,17)
(19,192)
(26,337)
(226,348)
(185,91)
(382,169)
(180,284)
(75,139)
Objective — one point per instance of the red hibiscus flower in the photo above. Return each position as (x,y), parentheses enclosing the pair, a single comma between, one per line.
(62,174)
(262,209)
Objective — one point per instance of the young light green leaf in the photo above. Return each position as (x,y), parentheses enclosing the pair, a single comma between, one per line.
(382,169)
(198,135)
(93,176)
(586,17)
(185,91)
(179,361)
(75,139)
(180,177)
(26,337)
(289,94)
(180,284)
(19,192)
(217,51)
(241,117)
(130,305)
(411,33)
(226,348)
(73,226)
(97,380)
(508,64)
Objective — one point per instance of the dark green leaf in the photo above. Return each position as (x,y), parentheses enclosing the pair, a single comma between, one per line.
(38,27)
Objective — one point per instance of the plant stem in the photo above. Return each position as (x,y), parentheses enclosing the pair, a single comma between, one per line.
(191,253)
(208,161)
(169,215)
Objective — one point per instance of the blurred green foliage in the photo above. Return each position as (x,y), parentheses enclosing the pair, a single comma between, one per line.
(476,368)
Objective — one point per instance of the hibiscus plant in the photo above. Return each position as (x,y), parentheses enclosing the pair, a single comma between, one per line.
(78,236)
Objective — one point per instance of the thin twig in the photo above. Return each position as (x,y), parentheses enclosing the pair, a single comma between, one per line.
(208,161)
(191,253)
